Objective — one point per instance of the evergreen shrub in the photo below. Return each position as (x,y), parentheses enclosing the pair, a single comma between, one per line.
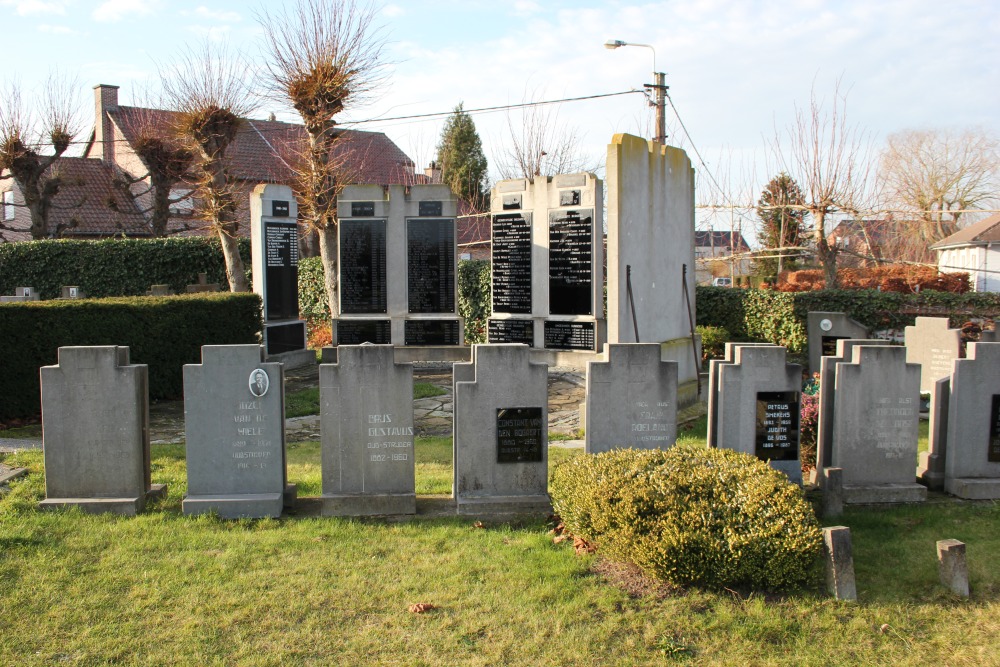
(713,341)
(474,285)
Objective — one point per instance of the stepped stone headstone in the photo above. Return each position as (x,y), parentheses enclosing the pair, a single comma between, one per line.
(930,470)
(934,346)
(972,463)
(72,292)
(631,399)
(875,426)
(95,420)
(159,290)
(501,431)
(714,365)
(366,403)
(21,294)
(824,330)
(758,407)
(234,424)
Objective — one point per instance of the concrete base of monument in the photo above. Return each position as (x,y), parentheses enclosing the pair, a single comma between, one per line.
(793,469)
(123,506)
(973,488)
(369,504)
(295,358)
(884,493)
(240,506)
(930,471)
(156,491)
(502,505)
(407,354)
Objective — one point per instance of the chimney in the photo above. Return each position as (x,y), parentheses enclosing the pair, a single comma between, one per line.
(105,100)
(433,173)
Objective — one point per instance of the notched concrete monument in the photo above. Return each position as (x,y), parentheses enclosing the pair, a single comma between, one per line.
(932,345)
(972,461)
(824,329)
(95,420)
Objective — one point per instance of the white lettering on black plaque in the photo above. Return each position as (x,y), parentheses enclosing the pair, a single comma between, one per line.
(777,426)
(519,435)
(279,208)
(362,266)
(511,331)
(281,260)
(512,263)
(571,251)
(356,332)
(569,335)
(362,209)
(829,345)
(430,332)
(994,451)
(429,209)
(430,265)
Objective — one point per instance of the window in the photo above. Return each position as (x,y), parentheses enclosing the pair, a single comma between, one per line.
(8,205)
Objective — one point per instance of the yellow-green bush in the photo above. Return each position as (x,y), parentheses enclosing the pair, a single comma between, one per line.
(691,515)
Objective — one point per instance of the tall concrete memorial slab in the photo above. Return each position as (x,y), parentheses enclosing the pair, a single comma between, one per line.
(728,356)
(366,404)
(932,345)
(758,407)
(398,266)
(930,469)
(875,426)
(501,431)
(547,262)
(824,329)
(95,424)
(631,399)
(234,424)
(651,245)
(274,244)
(972,463)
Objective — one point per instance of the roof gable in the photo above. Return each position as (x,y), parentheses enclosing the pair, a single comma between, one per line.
(983,232)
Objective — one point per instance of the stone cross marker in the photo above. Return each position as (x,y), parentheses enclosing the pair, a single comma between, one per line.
(366,402)
(972,461)
(501,431)
(824,330)
(932,345)
(234,423)
(95,419)
(631,399)
(875,426)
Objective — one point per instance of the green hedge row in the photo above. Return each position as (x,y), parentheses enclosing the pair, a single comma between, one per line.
(163,332)
(112,267)
(780,317)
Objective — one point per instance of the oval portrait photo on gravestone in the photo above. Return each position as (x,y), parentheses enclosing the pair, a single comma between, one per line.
(259,382)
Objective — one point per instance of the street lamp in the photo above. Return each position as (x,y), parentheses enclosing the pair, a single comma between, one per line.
(659,87)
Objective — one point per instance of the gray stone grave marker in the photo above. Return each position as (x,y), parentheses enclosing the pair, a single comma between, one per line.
(972,463)
(824,330)
(631,399)
(234,423)
(934,346)
(877,398)
(95,420)
(366,402)
(713,386)
(72,292)
(758,403)
(501,431)
(931,467)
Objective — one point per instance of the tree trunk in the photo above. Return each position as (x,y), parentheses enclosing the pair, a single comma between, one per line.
(235,271)
(328,251)
(825,253)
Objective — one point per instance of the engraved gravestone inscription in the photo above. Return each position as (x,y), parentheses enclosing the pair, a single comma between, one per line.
(431,265)
(363,266)
(519,435)
(777,426)
(570,262)
(511,252)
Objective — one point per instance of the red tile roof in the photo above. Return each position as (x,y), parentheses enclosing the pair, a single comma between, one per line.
(982,233)
(89,203)
(721,240)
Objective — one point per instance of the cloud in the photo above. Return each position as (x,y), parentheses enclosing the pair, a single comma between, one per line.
(116,10)
(211,33)
(29,7)
(393,11)
(526,8)
(57,29)
(218,15)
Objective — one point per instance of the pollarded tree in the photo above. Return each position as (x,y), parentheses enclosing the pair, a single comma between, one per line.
(781,211)
(462,161)
(539,145)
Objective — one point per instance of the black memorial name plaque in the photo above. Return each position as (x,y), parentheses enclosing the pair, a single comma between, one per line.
(570,335)
(363,267)
(431,332)
(279,208)
(829,345)
(993,455)
(356,332)
(362,209)
(430,209)
(519,435)
(777,431)
(511,202)
(281,268)
(286,337)
(430,265)
(511,263)
(511,331)
(571,261)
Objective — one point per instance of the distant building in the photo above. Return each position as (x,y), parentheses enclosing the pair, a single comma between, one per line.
(975,249)
(714,255)
(862,242)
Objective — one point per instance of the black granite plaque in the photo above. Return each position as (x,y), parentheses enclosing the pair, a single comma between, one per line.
(511,331)
(520,437)
(777,437)
(362,266)
(512,263)
(430,265)
(571,252)
(829,344)
(511,202)
(356,332)
(362,209)
(569,335)
(994,449)
(429,209)
(569,197)
(281,262)
(286,337)
(431,332)
(279,208)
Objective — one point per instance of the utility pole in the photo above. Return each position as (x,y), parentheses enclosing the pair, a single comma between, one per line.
(659,89)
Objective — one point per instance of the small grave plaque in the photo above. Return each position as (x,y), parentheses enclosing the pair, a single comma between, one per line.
(511,331)
(777,426)
(569,198)
(356,332)
(511,202)
(363,266)
(512,263)
(570,262)
(429,209)
(519,435)
(286,337)
(431,265)
(279,209)
(431,332)
(362,209)
(830,344)
(994,453)
(569,335)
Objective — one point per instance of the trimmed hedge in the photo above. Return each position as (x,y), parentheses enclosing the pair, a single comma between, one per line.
(313,304)
(691,515)
(112,267)
(474,285)
(163,332)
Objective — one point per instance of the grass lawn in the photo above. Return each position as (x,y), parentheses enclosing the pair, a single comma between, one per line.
(165,589)
(306,401)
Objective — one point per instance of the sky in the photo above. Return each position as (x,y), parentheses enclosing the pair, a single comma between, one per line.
(737,69)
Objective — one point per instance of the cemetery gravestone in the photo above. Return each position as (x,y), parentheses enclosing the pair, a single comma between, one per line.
(234,424)
(95,420)
(202,285)
(875,426)
(366,402)
(21,294)
(501,431)
(933,346)
(714,365)
(972,463)
(824,330)
(72,292)
(930,470)
(631,399)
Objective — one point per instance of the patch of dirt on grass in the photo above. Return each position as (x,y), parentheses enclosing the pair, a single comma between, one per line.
(634,581)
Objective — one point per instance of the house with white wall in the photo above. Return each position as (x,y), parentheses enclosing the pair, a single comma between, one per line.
(974,249)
